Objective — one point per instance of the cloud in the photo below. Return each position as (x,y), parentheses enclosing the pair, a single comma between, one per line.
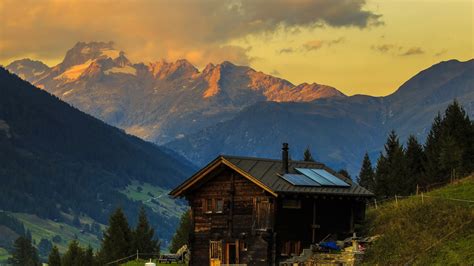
(317,44)
(150,30)
(397,50)
(442,52)
(413,51)
(383,48)
(286,50)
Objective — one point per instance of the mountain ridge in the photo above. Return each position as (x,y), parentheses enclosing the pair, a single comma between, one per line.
(337,130)
(162,101)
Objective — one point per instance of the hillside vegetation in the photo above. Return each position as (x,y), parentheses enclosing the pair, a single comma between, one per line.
(428,231)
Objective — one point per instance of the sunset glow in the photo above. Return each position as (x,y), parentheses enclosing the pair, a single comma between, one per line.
(360,47)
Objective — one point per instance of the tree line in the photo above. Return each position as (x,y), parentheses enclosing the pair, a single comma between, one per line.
(119,241)
(447,153)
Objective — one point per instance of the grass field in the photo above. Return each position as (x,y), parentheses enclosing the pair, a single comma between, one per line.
(156,198)
(435,231)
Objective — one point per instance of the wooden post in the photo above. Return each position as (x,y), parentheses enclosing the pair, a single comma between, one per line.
(417,189)
(137,254)
(375,200)
(422,200)
(396,200)
(313,238)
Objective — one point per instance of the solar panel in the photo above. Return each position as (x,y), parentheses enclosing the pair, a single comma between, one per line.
(337,181)
(300,180)
(315,177)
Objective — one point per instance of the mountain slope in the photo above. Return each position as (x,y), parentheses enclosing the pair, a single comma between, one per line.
(57,160)
(161,101)
(338,130)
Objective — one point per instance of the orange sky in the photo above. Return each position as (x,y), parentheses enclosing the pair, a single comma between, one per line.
(357,46)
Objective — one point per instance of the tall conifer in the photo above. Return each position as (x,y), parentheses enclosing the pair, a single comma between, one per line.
(366,174)
(144,236)
(117,240)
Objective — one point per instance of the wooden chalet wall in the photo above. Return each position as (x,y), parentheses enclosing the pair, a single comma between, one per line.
(237,225)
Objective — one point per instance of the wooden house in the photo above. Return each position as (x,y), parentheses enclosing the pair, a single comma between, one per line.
(255,211)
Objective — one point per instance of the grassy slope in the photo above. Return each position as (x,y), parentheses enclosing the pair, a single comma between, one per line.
(156,198)
(43,228)
(408,229)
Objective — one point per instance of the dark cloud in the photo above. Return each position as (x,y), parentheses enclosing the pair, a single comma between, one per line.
(165,29)
(413,51)
(286,51)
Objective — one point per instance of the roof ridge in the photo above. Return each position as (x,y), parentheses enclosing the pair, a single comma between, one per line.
(266,159)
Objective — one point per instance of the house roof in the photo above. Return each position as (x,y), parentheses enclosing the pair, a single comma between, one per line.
(266,174)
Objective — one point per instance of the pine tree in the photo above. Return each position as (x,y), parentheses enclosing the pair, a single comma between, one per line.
(391,169)
(143,236)
(449,146)
(181,237)
(54,259)
(308,157)
(24,253)
(117,240)
(432,170)
(414,157)
(366,174)
(74,255)
(457,140)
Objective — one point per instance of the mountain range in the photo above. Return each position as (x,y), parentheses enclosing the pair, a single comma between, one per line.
(338,130)
(232,109)
(159,101)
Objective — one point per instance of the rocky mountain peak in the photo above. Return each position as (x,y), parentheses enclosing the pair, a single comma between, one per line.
(82,52)
(182,68)
(28,69)
(121,60)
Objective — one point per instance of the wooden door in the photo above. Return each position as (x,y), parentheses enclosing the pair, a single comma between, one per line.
(232,252)
(215,253)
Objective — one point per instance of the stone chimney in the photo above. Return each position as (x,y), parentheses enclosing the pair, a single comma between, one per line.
(284,158)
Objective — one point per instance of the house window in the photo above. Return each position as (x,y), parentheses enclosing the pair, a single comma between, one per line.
(291,204)
(208,208)
(219,205)
(243,246)
(291,248)
(213,205)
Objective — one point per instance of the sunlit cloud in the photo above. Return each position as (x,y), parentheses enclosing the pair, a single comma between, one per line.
(317,44)
(149,30)
(397,50)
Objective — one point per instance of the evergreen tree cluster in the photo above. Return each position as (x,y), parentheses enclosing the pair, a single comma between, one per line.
(447,153)
(119,241)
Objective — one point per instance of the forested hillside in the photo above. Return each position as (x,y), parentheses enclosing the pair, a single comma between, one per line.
(57,162)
